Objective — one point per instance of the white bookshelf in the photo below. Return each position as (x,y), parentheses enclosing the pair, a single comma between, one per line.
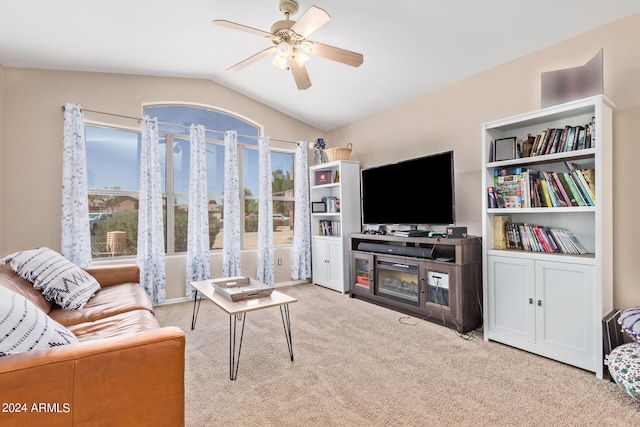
(330,253)
(549,303)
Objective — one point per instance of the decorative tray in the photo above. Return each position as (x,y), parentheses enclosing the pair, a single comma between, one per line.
(240,288)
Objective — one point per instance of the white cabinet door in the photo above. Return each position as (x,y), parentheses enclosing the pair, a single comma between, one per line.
(511,297)
(328,263)
(320,261)
(335,266)
(565,307)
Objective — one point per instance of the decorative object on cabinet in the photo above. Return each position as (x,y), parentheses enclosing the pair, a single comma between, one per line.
(330,228)
(571,84)
(318,147)
(545,301)
(339,153)
(504,149)
(318,207)
(322,177)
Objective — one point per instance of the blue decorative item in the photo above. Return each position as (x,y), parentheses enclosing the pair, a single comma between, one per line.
(319,155)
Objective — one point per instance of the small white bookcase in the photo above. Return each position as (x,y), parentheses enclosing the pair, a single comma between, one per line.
(335,214)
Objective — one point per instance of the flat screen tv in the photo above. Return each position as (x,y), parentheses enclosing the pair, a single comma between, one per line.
(412,192)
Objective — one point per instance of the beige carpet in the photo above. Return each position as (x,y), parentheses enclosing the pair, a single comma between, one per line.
(357,364)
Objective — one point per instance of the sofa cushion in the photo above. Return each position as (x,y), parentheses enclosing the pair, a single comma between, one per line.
(58,279)
(106,302)
(24,327)
(10,280)
(130,322)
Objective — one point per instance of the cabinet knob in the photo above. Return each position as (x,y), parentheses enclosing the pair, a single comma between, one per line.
(539,303)
(530,300)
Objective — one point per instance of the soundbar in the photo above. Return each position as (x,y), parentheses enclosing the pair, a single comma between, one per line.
(395,250)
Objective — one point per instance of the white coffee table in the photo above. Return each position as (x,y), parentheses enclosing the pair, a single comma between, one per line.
(237,311)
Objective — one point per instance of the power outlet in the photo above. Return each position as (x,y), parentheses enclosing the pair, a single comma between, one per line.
(279,261)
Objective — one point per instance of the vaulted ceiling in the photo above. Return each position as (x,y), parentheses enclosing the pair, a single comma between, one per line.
(410,48)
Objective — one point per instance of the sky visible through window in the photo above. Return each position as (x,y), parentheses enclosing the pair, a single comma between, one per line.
(114,154)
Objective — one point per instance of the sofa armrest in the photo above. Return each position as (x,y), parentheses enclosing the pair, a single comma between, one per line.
(109,275)
(135,379)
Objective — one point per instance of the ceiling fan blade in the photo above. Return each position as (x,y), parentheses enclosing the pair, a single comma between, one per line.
(336,54)
(312,19)
(300,75)
(240,27)
(250,60)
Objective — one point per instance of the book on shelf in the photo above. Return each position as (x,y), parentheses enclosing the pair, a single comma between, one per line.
(492,201)
(499,227)
(581,184)
(558,140)
(535,238)
(527,188)
(564,196)
(332,204)
(527,146)
(589,176)
(329,228)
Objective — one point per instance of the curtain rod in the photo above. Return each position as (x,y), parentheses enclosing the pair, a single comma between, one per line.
(174,124)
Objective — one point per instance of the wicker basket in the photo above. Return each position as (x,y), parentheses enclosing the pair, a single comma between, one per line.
(341,153)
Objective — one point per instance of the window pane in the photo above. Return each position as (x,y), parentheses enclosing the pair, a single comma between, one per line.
(250,172)
(250,224)
(216,223)
(185,116)
(283,223)
(181,221)
(113,221)
(113,159)
(215,169)
(181,165)
(181,224)
(282,172)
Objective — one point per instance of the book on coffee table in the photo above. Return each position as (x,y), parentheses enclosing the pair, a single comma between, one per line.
(240,288)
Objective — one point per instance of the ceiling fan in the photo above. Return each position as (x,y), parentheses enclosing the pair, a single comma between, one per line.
(290,44)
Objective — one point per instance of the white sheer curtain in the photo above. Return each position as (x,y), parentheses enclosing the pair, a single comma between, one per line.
(301,253)
(150,223)
(231,208)
(198,227)
(76,239)
(264,272)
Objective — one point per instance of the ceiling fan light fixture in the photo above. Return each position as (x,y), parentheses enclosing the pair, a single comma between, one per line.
(280,62)
(305,46)
(283,49)
(300,57)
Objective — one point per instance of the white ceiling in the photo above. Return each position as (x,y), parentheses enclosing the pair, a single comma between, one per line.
(410,47)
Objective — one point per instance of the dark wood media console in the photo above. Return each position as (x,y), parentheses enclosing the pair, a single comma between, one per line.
(435,278)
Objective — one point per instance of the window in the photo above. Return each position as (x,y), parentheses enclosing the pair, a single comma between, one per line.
(113,177)
(113,159)
(282,194)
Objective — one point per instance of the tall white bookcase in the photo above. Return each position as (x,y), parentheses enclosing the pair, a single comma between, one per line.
(552,304)
(332,222)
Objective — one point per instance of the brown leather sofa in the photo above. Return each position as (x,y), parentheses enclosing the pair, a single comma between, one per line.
(126,370)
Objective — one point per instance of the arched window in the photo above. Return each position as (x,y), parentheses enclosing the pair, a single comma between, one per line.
(113,169)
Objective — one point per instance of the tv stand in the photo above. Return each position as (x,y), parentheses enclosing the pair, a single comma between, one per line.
(435,278)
